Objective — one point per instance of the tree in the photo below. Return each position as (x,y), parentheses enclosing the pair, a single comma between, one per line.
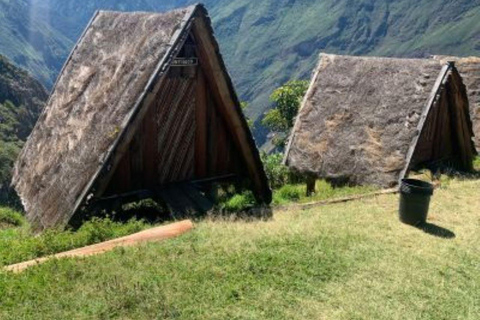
(244,105)
(281,118)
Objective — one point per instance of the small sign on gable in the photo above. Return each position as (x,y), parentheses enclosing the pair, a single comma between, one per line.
(184,62)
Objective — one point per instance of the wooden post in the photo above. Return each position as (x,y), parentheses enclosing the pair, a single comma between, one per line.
(311,185)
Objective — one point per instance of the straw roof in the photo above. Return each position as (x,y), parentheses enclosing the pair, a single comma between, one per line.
(362,116)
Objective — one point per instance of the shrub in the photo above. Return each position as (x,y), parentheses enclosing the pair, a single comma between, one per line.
(238,202)
(98,230)
(278,174)
(11,217)
(476,163)
(289,193)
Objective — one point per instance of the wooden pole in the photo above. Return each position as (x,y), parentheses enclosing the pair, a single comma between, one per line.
(310,185)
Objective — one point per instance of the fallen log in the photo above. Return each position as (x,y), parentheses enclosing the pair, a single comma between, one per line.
(150,235)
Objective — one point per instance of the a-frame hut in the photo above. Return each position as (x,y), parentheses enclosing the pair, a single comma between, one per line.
(143,102)
(369,120)
(469,68)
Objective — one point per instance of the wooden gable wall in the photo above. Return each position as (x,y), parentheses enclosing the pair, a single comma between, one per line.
(446,136)
(183,136)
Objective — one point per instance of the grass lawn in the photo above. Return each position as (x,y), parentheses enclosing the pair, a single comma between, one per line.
(344,261)
(323,191)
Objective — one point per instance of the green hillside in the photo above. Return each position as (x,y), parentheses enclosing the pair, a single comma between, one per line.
(265,43)
(274,41)
(28,40)
(21,101)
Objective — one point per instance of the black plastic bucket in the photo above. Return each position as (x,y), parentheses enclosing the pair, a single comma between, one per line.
(414,201)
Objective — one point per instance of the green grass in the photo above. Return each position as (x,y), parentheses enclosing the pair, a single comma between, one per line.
(10,218)
(18,244)
(293,193)
(476,163)
(238,202)
(345,261)
(323,191)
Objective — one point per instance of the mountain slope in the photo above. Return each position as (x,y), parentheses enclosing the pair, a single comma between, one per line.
(29,41)
(21,101)
(25,94)
(277,41)
(266,43)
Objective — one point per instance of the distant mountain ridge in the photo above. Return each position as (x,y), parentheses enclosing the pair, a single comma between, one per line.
(264,42)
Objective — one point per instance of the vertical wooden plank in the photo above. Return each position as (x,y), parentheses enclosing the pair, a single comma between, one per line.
(222,148)
(201,134)
(310,185)
(440,140)
(136,166)
(150,141)
(460,120)
(212,136)
(124,180)
(120,181)
(176,131)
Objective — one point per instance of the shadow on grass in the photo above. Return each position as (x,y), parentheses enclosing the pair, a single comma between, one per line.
(257,213)
(436,231)
(155,211)
(472,175)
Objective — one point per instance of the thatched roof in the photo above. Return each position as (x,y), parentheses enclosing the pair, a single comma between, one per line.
(111,71)
(362,116)
(469,68)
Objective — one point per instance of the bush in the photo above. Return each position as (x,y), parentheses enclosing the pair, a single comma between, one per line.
(476,163)
(99,230)
(289,193)
(278,174)
(11,217)
(239,202)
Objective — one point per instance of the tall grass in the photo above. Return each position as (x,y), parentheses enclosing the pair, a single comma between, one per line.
(476,163)
(19,244)
(10,218)
(323,191)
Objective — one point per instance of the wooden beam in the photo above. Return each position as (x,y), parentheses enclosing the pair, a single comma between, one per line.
(212,137)
(209,59)
(310,185)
